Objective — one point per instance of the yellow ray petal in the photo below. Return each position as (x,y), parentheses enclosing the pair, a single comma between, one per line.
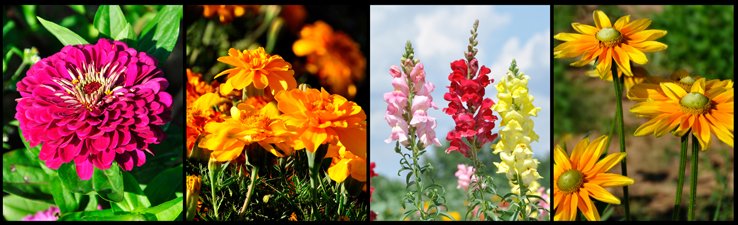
(607,163)
(601,194)
(636,55)
(560,158)
(673,91)
(587,207)
(584,28)
(601,20)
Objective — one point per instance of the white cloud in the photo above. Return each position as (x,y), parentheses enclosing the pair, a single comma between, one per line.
(445,30)
(533,55)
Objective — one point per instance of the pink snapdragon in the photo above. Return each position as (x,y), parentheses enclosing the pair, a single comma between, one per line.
(408,105)
(466,176)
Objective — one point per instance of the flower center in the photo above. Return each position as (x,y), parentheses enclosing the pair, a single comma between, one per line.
(570,181)
(687,80)
(609,36)
(91,87)
(89,84)
(695,103)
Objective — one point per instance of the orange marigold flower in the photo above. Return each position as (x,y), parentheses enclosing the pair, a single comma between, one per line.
(226,13)
(333,56)
(197,87)
(199,113)
(257,67)
(247,125)
(322,118)
(345,163)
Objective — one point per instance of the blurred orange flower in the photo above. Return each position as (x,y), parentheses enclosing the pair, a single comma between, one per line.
(333,56)
(322,118)
(199,113)
(196,87)
(226,13)
(257,67)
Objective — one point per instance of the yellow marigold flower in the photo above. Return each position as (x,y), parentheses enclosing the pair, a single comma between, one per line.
(515,106)
(322,118)
(257,67)
(333,56)
(584,176)
(622,42)
(199,113)
(192,195)
(196,87)
(705,107)
(226,13)
(247,125)
(346,163)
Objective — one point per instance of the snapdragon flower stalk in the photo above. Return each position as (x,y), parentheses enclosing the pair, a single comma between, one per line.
(515,106)
(407,113)
(472,114)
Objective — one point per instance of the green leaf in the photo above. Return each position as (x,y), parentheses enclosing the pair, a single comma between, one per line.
(164,185)
(106,215)
(109,183)
(63,197)
(134,198)
(160,35)
(65,36)
(16,207)
(111,22)
(68,174)
(78,8)
(23,176)
(167,211)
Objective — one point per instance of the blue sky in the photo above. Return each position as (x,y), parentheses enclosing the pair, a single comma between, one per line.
(439,35)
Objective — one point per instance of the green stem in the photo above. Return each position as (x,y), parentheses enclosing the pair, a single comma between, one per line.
(213,191)
(680,181)
(254,173)
(693,177)
(418,184)
(619,117)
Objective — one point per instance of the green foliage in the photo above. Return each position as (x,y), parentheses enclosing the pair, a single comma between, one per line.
(159,36)
(700,39)
(16,207)
(65,36)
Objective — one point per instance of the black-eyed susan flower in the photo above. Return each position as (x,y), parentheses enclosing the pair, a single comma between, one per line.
(704,107)
(622,42)
(583,176)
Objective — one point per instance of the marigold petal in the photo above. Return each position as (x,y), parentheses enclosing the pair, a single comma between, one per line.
(601,194)
(339,172)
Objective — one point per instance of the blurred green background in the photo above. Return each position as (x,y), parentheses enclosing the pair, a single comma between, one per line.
(700,40)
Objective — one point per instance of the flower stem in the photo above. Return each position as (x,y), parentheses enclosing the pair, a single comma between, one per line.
(418,184)
(680,181)
(254,173)
(619,117)
(213,167)
(693,178)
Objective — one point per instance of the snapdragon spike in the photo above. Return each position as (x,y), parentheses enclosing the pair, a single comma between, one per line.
(408,104)
(93,104)
(467,105)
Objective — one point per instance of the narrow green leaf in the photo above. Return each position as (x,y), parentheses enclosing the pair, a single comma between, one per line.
(65,36)
(78,8)
(167,211)
(9,25)
(164,185)
(111,22)
(16,207)
(160,35)
(134,198)
(109,183)
(63,197)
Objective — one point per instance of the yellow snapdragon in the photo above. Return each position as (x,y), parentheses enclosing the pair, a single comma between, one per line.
(515,106)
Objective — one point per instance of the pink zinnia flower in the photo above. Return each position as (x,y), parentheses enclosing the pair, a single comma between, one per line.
(466,176)
(397,113)
(92,104)
(51,214)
